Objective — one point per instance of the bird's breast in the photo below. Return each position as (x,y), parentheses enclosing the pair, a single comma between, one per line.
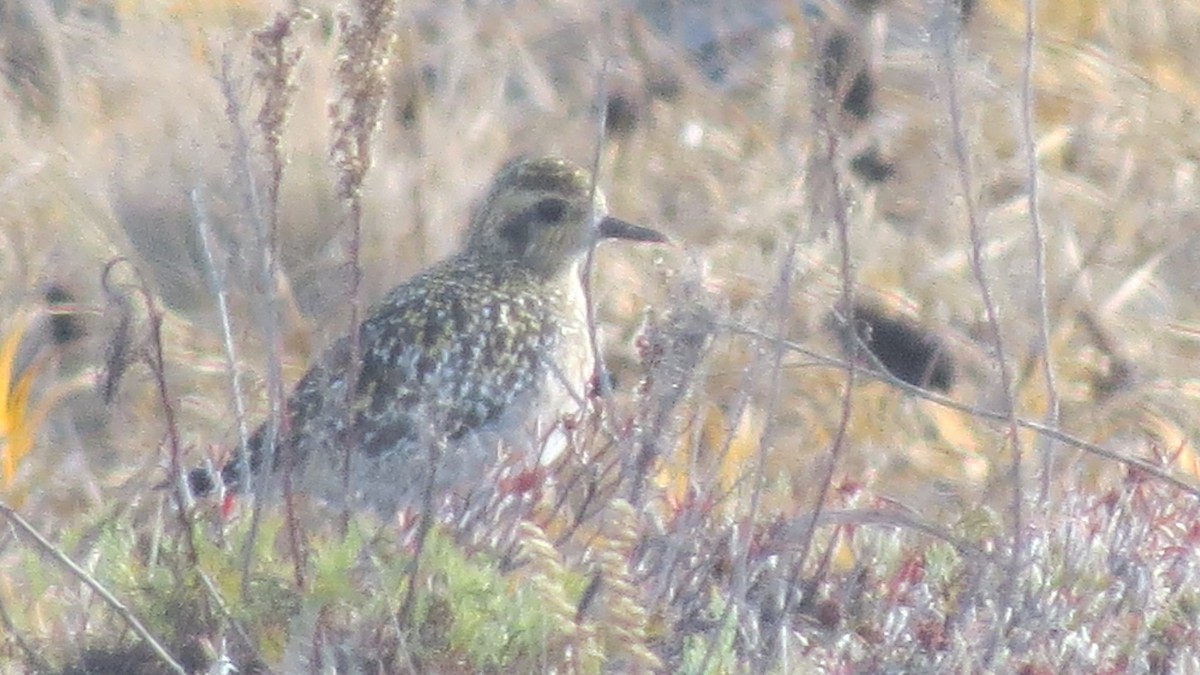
(569,365)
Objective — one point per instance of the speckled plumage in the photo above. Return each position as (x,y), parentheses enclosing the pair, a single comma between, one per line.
(484,352)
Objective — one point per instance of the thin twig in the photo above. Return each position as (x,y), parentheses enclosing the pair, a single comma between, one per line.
(49,549)
(217,278)
(157,365)
(975,231)
(846,272)
(841,517)
(275,69)
(363,54)
(275,66)
(261,218)
(780,297)
(597,150)
(424,526)
(223,607)
(10,631)
(1039,249)
(996,416)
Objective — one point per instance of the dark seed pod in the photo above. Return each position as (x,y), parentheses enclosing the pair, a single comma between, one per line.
(870,166)
(621,115)
(65,326)
(907,351)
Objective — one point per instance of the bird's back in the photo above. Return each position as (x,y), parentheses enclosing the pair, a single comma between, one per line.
(459,359)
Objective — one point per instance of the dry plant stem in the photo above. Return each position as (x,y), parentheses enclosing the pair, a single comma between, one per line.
(158,369)
(842,517)
(745,530)
(819,573)
(276,65)
(781,295)
(1045,444)
(1092,255)
(362,57)
(736,411)
(592,495)
(216,275)
(576,481)
(237,626)
(10,631)
(49,549)
(1059,435)
(424,524)
(1067,287)
(966,185)
(739,408)
(648,446)
(603,386)
(601,129)
(322,627)
(177,477)
(354,221)
(694,516)
(690,520)
(846,272)
(269,318)
(217,280)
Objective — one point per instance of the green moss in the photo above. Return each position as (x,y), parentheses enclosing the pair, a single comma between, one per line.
(720,657)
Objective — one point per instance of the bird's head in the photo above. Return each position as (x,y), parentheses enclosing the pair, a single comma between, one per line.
(539,213)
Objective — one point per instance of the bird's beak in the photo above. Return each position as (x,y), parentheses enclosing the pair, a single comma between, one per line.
(615,228)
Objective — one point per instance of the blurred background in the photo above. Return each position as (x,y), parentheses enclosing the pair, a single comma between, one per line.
(753,133)
(118,141)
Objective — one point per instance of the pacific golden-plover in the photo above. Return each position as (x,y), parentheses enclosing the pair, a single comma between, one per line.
(485,353)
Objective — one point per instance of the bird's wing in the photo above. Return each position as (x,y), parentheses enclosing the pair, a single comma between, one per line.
(441,356)
(442,359)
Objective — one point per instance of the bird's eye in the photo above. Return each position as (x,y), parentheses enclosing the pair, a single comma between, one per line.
(550,210)
(518,232)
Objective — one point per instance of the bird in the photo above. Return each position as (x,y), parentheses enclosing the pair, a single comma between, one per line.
(482,356)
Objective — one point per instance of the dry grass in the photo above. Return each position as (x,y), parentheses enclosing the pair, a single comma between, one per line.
(744,501)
